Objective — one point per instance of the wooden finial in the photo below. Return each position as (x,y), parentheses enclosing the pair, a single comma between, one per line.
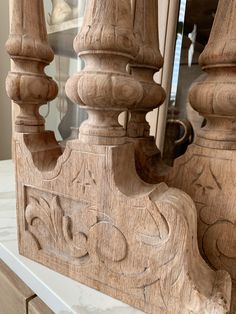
(106,43)
(27,84)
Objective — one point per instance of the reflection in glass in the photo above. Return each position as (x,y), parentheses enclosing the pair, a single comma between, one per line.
(63,19)
(195,21)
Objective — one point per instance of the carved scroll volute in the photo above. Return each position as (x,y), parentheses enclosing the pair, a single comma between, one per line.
(147,62)
(27,84)
(106,43)
(215,97)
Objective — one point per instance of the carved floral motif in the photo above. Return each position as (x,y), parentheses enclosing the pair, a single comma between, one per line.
(59,226)
(84,177)
(109,247)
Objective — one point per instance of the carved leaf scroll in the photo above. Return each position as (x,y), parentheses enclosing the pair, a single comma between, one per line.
(59,226)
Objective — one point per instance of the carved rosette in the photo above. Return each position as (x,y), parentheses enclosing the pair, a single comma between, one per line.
(106,43)
(146,64)
(27,84)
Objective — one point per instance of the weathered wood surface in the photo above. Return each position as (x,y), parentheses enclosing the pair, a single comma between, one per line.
(207,170)
(86,213)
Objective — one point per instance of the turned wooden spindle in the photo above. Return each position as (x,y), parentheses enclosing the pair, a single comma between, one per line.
(146,64)
(207,170)
(27,84)
(106,43)
(87,214)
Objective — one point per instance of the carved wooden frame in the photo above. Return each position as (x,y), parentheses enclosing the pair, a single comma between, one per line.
(85,212)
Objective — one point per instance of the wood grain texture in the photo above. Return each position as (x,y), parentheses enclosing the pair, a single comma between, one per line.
(27,84)
(14,294)
(87,214)
(93,219)
(106,43)
(206,171)
(147,62)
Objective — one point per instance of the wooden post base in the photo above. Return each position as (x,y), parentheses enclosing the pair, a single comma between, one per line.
(90,217)
(208,176)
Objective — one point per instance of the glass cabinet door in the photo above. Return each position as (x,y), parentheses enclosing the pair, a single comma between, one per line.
(63,20)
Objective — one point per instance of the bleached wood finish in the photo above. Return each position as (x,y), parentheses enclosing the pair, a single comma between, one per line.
(27,84)
(87,214)
(106,43)
(207,170)
(147,62)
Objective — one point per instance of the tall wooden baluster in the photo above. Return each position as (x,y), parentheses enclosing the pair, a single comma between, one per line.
(146,64)
(106,43)
(207,170)
(99,222)
(27,84)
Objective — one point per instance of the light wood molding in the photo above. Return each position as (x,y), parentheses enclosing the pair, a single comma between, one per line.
(207,170)
(14,295)
(86,213)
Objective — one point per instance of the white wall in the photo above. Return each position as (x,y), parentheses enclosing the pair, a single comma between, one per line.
(5,104)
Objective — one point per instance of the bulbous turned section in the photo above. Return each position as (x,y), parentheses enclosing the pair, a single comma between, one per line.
(27,84)
(215,97)
(106,43)
(147,62)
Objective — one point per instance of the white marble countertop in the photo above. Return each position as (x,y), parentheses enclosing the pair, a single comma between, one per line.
(60,293)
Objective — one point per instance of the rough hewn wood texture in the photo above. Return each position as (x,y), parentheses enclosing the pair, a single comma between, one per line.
(27,84)
(87,214)
(207,170)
